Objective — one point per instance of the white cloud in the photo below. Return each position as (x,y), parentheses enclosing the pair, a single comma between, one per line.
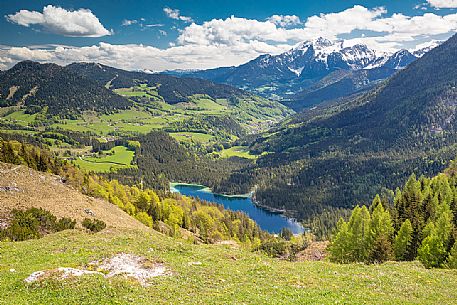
(176,14)
(163,33)
(284,20)
(383,32)
(355,18)
(79,23)
(153,25)
(234,40)
(21,53)
(136,56)
(443,3)
(127,22)
(234,30)
(26,18)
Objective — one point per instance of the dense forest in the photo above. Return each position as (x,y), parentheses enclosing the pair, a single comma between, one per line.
(172,89)
(63,92)
(161,160)
(420,222)
(347,152)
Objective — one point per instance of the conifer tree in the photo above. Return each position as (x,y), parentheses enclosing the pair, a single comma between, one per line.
(452,260)
(340,248)
(410,208)
(381,233)
(433,249)
(402,241)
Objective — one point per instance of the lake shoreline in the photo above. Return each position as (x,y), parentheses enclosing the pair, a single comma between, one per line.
(205,193)
(241,196)
(208,189)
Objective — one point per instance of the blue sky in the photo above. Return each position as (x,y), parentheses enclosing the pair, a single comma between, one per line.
(158,35)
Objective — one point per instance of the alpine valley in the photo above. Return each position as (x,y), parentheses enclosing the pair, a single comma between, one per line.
(314,71)
(156,155)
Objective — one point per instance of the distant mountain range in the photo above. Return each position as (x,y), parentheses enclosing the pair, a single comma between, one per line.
(313,71)
(343,153)
(172,89)
(70,91)
(80,87)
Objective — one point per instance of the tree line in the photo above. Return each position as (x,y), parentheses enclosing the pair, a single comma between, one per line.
(419,223)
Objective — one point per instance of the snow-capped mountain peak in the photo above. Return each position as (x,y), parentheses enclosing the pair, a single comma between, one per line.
(316,67)
(423,48)
(333,54)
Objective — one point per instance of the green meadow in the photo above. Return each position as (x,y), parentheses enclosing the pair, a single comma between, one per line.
(195,137)
(237,151)
(112,160)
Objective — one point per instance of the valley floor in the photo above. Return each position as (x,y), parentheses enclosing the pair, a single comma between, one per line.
(207,274)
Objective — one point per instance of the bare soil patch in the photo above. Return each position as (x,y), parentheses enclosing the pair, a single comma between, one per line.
(23,188)
(122,264)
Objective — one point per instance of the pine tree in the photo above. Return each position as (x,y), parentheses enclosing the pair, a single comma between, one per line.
(410,208)
(381,250)
(452,259)
(402,241)
(359,229)
(444,224)
(381,233)
(432,252)
(340,247)
(433,249)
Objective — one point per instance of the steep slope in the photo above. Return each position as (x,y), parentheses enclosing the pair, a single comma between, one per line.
(23,188)
(343,154)
(63,92)
(339,84)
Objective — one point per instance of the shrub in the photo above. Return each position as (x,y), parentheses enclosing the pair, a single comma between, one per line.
(275,247)
(66,223)
(34,223)
(94,226)
(23,226)
(144,218)
(286,233)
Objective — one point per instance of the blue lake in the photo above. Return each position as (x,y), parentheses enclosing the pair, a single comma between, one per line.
(268,221)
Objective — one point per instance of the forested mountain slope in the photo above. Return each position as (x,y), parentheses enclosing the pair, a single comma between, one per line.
(172,89)
(344,154)
(63,92)
(313,71)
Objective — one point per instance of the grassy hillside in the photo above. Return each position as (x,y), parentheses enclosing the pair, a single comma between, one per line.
(116,158)
(226,272)
(207,274)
